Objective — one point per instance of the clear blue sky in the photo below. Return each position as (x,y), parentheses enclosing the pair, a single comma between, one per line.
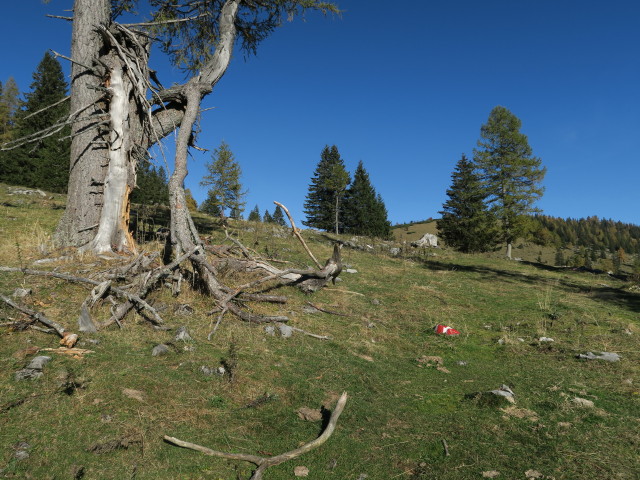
(405,87)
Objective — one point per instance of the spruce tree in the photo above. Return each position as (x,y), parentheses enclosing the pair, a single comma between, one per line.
(254,215)
(267,218)
(45,162)
(224,180)
(466,223)
(211,205)
(278,216)
(509,171)
(151,185)
(327,189)
(364,210)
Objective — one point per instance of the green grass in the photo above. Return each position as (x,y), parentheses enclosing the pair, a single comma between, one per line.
(399,411)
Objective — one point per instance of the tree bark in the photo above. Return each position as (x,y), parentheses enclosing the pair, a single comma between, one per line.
(89,154)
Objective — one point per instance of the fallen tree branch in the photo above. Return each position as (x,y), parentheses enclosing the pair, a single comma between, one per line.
(36,315)
(319,337)
(296,231)
(155,316)
(327,311)
(265,462)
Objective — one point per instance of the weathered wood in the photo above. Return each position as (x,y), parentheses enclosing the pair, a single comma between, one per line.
(265,462)
(40,317)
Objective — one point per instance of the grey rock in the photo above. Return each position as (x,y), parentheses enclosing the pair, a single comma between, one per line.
(21,292)
(21,450)
(375,301)
(545,339)
(351,270)
(504,391)
(270,330)
(38,363)
(221,371)
(285,330)
(159,350)
(461,363)
(182,335)
(427,240)
(606,356)
(34,369)
(309,309)
(395,251)
(206,371)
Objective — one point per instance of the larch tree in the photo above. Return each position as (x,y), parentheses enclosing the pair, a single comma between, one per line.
(326,191)
(9,103)
(118,109)
(223,179)
(511,175)
(466,223)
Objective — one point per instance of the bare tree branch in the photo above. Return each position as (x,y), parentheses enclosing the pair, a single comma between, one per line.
(265,462)
(296,231)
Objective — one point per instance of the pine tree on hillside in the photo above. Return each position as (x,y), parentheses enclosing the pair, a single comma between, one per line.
(509,172)
(254,215)
(364,210)
(267,218)
(278,216)
(328,186)
(224,180)
(466,223)
(45,163)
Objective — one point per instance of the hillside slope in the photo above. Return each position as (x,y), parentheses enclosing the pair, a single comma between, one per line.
(417,405)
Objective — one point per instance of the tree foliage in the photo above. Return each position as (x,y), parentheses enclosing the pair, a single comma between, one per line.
(152,185)
(278,216)
(326,191)
(45,163)
(364,210)
(466,223)
(225,190)
(254,215)
(510,173)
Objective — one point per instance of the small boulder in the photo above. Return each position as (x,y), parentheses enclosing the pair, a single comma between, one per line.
(285,330)
(21,292)
(182,335)
(606,356)
(160,350)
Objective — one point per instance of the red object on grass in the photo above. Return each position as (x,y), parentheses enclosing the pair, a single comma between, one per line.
(444,330)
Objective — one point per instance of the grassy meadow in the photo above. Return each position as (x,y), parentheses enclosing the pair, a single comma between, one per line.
(103,416)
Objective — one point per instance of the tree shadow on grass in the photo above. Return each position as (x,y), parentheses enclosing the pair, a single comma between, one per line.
(600,292)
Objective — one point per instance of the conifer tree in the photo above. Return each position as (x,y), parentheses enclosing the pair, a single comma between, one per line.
(327,189)
(278,216)
(45,163)
(466,223)
(267,218)
(509,172)
(10,168)
(211,205)
(192,205)
(224,180)
(254,215)
(151,185)
(364,210)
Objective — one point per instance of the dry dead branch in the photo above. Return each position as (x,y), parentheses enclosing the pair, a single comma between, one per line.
(40,317)
(296,232)
(265,462)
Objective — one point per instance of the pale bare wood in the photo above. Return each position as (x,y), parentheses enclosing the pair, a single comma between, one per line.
(265,462)
(296,231)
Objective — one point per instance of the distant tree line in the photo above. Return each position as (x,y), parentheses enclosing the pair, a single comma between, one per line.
(597,234)
(338,204)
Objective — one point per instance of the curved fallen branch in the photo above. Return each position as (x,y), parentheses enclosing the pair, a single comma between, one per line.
(265,462)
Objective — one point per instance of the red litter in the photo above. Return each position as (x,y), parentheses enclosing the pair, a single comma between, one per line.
(444,330)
